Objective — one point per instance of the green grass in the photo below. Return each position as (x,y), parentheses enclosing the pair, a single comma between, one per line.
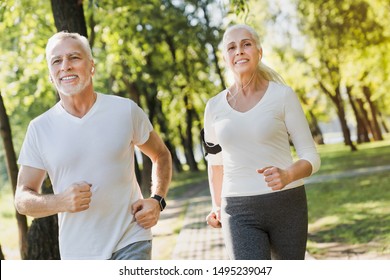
(351,212)
(338,157)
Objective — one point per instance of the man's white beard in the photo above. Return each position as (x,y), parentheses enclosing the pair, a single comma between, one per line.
(72,90)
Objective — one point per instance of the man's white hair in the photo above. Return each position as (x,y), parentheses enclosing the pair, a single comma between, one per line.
(64,35)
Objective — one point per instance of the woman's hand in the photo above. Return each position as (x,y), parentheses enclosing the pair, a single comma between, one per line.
(214,218)
(275,177)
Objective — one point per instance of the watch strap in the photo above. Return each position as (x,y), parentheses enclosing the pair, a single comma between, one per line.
(160,200)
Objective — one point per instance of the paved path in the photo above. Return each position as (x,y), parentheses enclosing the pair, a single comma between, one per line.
(197,240)
(189,237)
(351,173)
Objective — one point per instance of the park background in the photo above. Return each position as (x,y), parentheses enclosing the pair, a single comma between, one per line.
(165,56)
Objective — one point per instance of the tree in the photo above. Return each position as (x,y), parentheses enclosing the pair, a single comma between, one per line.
(12,168)
(339,31)
(21,52)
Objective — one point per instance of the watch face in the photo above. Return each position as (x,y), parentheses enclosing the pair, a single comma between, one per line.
(163,203)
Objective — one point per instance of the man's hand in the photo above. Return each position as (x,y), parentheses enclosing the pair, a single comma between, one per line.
(77,197)
(146,212)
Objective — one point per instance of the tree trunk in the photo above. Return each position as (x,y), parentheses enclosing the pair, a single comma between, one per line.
(146,175)
(313,124)
(338,102)
(343,121)
(43,244)
(377,134)
(383,123)
(189,143)
(214,47)
(12,170)
(92,24)
(1,254)
(69,16)
(361,130)
(315,129)
(364,118)
(43,234)
(137,170)
(164,130)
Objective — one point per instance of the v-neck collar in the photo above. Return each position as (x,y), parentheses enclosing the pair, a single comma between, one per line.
(86,116)
(270,84)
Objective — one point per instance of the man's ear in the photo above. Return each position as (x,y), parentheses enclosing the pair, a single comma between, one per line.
(93,67)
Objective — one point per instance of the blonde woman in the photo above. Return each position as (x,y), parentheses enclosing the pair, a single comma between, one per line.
(257,188)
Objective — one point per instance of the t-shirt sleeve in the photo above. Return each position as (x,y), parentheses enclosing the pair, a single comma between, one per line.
(30,154)
(141,125)
(211,137)
(299,131)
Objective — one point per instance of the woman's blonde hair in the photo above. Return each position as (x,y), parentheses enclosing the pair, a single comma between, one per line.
(263,70)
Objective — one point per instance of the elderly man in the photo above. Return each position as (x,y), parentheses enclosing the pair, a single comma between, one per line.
(85,143)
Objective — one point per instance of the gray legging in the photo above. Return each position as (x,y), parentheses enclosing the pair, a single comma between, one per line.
(266,226)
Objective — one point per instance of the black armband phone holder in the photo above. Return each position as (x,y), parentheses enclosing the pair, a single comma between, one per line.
(208,147)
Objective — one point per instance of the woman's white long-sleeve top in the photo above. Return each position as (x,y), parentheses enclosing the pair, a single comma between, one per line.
(258,138)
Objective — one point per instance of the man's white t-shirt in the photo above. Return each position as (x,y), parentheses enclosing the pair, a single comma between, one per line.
(258,138)
(99,149)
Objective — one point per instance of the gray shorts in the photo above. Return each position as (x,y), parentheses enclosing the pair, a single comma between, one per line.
(269,226)
(141,250)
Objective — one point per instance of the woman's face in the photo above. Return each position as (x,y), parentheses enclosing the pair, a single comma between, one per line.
(240,51)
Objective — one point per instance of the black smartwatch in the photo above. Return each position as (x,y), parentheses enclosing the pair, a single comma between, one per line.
(160,200)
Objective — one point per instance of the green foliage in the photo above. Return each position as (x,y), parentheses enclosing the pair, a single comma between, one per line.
(240,6)
(159,51)
(156,52)
(23,77)
(346,42)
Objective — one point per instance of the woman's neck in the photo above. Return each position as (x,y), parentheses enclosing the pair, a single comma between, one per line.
(244,82)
